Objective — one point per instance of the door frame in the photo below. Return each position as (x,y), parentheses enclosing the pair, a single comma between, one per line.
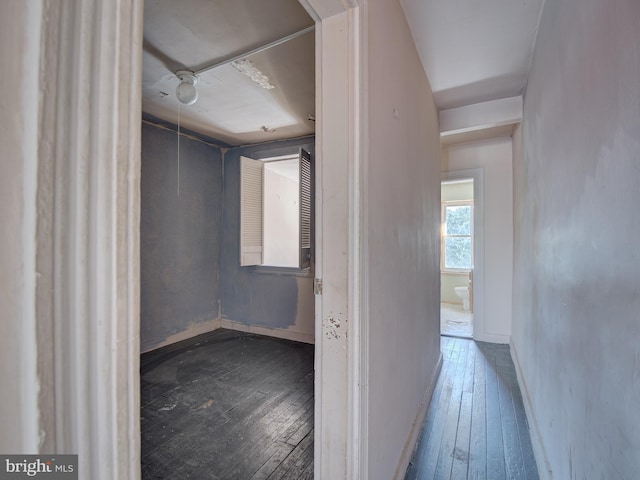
(88,217)
(477,175)
(341,348)
(87,233)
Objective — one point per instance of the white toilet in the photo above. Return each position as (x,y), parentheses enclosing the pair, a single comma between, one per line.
(463,293)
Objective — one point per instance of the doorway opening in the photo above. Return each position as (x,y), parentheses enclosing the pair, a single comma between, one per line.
(110,241)
(457,238)
(227,316)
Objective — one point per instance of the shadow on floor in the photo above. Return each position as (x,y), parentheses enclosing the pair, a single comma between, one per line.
(476,427)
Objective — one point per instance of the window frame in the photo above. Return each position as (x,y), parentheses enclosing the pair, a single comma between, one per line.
(305,270)
(443,236)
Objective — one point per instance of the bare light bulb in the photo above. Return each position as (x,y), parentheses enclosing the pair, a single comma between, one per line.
(186,90)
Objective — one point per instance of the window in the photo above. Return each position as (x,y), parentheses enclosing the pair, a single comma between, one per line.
(275,211)
(457,236)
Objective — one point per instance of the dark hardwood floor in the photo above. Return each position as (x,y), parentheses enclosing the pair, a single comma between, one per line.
(231,406)
(476,427)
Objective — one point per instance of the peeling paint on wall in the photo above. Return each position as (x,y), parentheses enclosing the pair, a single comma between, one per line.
(249,296)
(190,273)
(179,236)
(332,327)
(576,275)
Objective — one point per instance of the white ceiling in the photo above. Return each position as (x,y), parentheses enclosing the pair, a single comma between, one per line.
(472,51)
(192,34)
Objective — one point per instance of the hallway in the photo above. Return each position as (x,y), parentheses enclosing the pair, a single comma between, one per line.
(476,427)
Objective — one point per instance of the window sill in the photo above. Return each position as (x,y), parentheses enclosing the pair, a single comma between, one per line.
(456,272)
(281,271)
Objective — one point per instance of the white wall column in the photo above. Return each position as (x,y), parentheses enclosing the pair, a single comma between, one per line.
(338,447)
(20,24)
(88,232)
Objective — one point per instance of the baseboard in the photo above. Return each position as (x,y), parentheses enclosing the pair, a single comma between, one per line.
(539,452)
(270,332)
(192,330)
(410,444)
(492,338)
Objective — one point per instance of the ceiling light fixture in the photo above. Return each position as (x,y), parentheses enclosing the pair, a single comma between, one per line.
(186,90)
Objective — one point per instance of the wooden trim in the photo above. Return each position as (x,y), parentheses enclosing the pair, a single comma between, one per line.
(539,452)
(493,338)
(341,357)
(358,452)
(191,331)
(477,174)
(267,331)
(443,236)
(418,423)
(92,64)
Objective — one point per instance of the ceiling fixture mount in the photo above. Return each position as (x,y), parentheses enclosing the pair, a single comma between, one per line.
(186,90)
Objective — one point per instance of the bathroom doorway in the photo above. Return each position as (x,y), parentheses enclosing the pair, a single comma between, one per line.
(457,257)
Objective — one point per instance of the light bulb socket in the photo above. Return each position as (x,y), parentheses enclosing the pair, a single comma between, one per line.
(186,90)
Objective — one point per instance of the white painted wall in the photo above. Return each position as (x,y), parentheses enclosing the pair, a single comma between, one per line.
(457,191)
(576,316)
(448,282)
(402,202)
(480,116)
(281,215)
(19,50)
(494,156)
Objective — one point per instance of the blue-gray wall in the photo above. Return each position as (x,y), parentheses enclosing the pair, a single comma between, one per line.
(190,272)
(249,297)
(179,235)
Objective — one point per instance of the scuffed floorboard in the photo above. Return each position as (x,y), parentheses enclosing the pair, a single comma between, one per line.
(476,427)
(229,405)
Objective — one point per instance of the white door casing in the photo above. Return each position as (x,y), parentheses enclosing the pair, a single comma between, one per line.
(477,174)
(341,354)
(88,203)
(88,217)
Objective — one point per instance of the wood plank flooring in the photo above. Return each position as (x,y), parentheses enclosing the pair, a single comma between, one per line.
(228,405)
(476,427)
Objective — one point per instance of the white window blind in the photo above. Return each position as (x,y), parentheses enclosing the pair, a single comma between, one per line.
(262,224)
(306,185)
(251,186)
